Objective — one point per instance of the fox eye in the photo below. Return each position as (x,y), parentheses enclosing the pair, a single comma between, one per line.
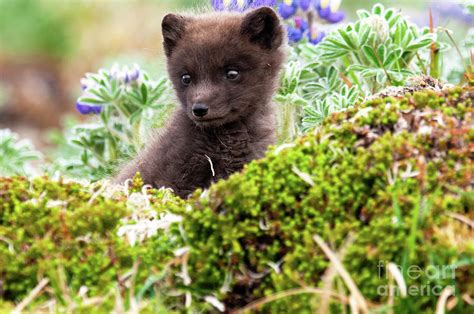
(232,74)
(186,79)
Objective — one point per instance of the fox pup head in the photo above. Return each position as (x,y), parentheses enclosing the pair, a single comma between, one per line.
(223,65)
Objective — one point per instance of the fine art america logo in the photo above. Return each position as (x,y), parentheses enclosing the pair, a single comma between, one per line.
(427,277)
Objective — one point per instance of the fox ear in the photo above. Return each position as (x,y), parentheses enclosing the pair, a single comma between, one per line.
(262,26)
(172,28)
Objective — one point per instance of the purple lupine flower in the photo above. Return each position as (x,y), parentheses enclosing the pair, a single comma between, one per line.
(262,3)
(85,108)
(135,73)
(331,17)
(305,4)
(124,74)
(218,5)
(294,34)
(329,10)
(324,13)
(444,11)
(287,8)
(300,23)
(315,37)
(240,5)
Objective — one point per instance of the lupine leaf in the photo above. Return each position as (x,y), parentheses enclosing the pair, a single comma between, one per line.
(346,38)
(144,92)
(337,43)
(381,52)
(370,55)
(420,44)
(378,9)
(90,100)
(365,35)
(135,117)
(363,14)
(388,14)
(381,78)
(393,57)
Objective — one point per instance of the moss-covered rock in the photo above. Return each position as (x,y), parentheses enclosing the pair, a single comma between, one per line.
(388,181)
(387,171)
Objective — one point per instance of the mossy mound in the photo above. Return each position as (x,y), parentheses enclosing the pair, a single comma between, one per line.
(69,233)
(388,181)
(388,171)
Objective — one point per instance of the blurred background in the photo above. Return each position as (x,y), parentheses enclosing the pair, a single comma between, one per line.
(46,46)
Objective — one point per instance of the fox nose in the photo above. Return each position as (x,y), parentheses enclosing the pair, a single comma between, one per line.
(200,110)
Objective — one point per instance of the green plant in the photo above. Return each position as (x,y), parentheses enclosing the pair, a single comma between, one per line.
(16,155)
(129,105)
(382,48)
(464,71)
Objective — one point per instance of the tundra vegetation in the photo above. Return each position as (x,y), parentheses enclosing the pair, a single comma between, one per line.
(364,205)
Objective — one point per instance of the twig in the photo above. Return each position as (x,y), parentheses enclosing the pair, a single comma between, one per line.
(118,306)
(397,275)
(353,305)
(11,248)
(466,68)
(441,305)
(96,194)
(306,177)
(345,79)
(31,296)
(62,282)
(461,218)
(362,304)
(134,308)
(288,293)
(211,164)
(330,273)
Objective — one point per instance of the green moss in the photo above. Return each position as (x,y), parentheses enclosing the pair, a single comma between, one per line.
(383,174)
(369,174)
(67,233)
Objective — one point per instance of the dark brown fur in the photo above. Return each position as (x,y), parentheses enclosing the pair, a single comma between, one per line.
(239,125)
